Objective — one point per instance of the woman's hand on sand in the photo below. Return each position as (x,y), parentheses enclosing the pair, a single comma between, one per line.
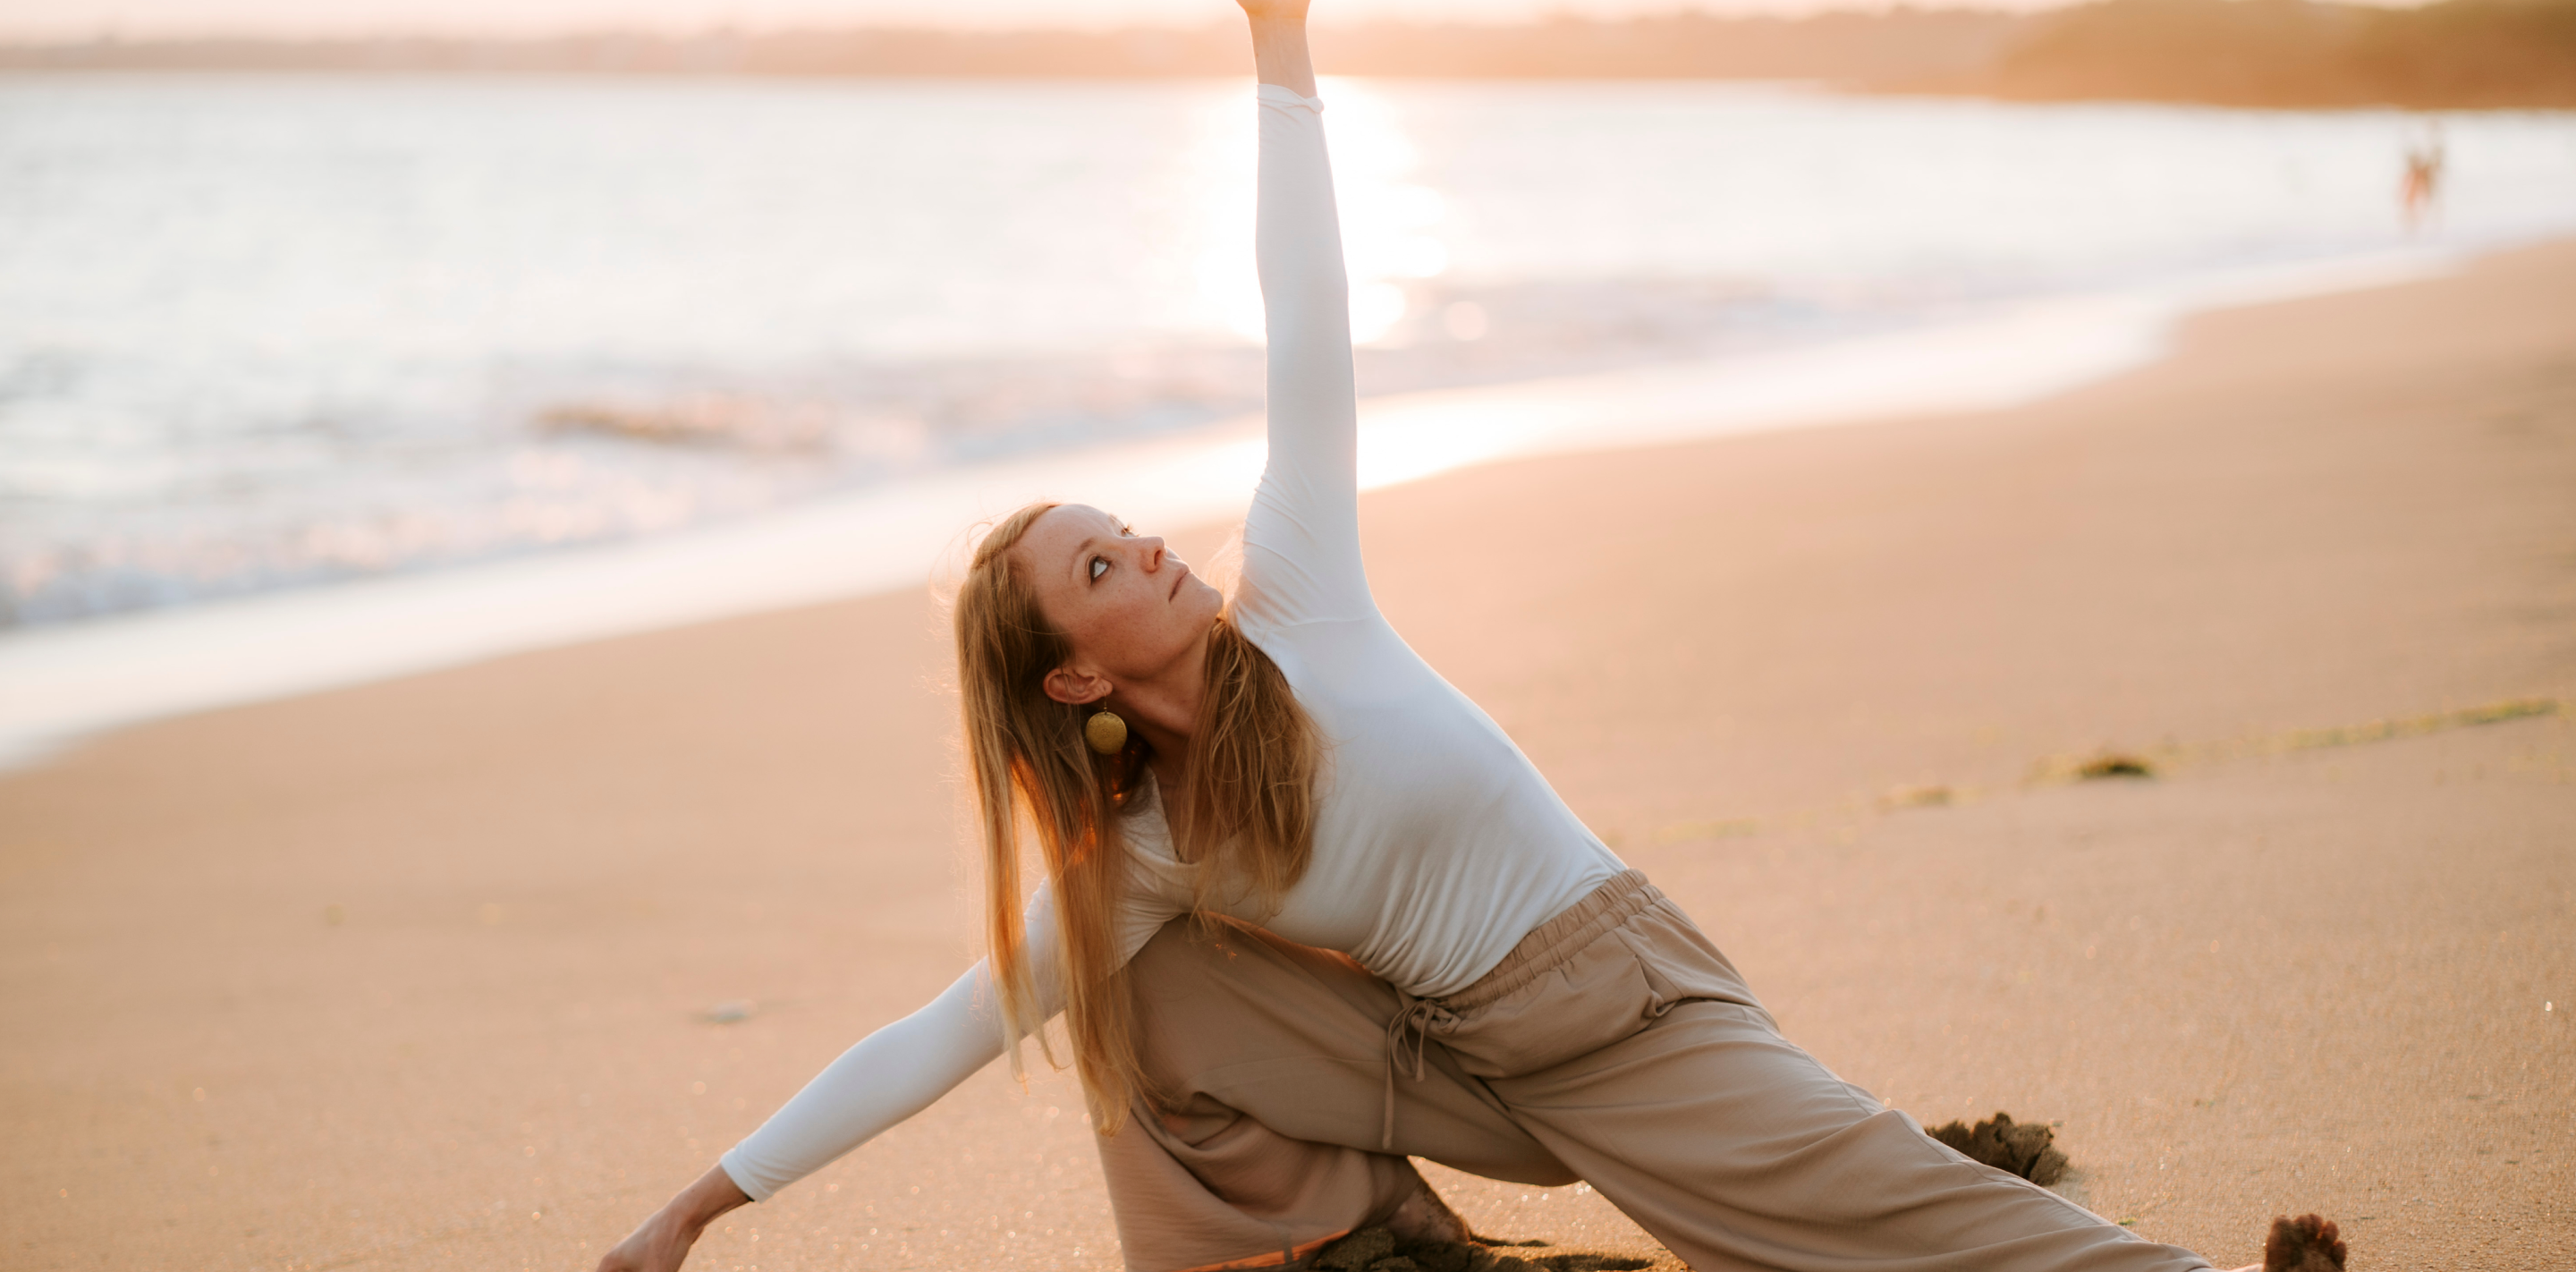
(658,1246)
(663,1241)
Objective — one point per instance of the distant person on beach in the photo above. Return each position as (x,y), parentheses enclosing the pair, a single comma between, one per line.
(2418,193)
(1308,911)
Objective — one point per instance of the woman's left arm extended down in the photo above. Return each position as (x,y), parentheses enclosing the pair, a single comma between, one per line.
(887,1077)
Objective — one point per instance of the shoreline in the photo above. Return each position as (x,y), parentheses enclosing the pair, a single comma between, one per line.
(63,683)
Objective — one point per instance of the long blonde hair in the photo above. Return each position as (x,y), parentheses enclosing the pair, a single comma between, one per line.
(1248,802)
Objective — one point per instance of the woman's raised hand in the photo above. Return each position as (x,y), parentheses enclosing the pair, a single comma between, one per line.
(1274,10)
(1279,44)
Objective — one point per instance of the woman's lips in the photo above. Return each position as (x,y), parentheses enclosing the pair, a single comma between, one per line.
(1184,573)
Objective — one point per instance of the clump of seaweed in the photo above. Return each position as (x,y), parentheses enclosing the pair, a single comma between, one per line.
(1378,1250)
(2113,764)
(2309,1243)
(2023,1150)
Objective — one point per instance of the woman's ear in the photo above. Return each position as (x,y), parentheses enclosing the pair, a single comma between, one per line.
(1075,688)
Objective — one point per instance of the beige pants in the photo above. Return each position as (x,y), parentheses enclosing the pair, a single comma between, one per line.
(1614,1045)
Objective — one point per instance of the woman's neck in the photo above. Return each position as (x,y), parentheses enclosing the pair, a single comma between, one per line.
(1164,708)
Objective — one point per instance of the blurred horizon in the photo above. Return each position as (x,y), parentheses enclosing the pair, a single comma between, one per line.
(77,20)
(2443,55)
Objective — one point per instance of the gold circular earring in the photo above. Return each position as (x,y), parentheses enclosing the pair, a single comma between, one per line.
(1106,733)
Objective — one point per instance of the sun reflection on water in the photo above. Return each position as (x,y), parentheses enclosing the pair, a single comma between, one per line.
(1390,221)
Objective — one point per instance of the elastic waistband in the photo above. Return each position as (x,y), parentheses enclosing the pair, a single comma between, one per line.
(1619,898)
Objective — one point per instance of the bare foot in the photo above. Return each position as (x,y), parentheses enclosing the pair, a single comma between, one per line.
(1424,1218)
(2305,1244)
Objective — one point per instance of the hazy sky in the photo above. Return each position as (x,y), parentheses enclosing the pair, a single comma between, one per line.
(83,18)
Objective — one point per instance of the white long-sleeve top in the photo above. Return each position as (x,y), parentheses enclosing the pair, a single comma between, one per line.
(1437,844)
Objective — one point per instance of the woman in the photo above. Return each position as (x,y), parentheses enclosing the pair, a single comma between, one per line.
(1410,947)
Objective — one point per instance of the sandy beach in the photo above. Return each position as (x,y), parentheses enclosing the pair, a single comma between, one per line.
(472,969)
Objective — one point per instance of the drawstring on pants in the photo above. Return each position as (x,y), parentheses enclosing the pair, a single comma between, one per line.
(1413,1016)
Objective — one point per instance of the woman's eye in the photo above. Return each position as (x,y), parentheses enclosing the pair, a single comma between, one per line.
(1099,566)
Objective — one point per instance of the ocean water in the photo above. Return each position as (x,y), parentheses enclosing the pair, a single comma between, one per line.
(260,334)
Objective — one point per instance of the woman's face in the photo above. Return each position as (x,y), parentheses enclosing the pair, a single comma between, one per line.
(1127,606)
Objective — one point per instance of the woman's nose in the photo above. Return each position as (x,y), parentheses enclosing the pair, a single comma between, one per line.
(1152,546)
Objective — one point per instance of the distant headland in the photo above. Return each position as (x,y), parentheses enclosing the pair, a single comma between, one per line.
(2455,54)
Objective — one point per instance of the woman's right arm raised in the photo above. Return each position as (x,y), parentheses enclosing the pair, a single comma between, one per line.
(1301,538)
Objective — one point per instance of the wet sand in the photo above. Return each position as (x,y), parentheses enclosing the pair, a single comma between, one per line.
(428,974)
